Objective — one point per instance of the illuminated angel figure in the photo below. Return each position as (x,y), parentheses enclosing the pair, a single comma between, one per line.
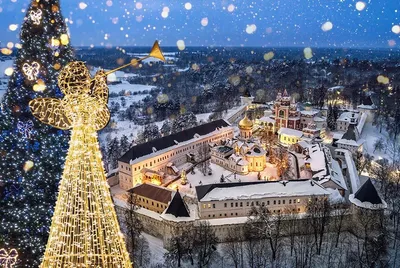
(84,230)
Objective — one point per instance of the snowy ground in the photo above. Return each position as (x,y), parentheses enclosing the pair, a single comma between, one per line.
(370,134)
(156,248)
(195,179)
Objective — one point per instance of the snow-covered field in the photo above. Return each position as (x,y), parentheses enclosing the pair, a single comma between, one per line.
(127,87)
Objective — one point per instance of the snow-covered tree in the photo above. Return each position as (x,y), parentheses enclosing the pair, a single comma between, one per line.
(124,144)
(113,153)
(150,132)
(166,127)
(184,121)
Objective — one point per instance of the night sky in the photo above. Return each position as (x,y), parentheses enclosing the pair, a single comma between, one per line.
(300,23)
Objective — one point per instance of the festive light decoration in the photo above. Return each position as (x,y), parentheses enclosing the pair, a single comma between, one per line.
(84,230)
(30,196)
(25,128)
(8,259)
(36,16)
(31,70)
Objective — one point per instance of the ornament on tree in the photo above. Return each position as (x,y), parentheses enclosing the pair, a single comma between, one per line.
(25,128)
(8,258)
(36,16)
(31,70)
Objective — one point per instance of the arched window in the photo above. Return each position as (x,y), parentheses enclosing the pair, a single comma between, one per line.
(281,113)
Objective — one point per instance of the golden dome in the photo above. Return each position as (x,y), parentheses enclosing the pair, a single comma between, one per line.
(245,123)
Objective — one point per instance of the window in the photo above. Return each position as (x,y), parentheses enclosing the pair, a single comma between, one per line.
(252,203)
(213,205)
(298,200)
(247,203)
(152,203)
(236,214)
(279,202)
(274,202)
(225,214)
(225,204)
(241,204)
(283,201)
(236,204)
(209,205)
(263,204)
(257,203)
(231,205)
(204,205)
(268,202)
(290,201)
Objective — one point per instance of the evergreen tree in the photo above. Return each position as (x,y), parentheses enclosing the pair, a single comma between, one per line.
(113,152)
(184,121)
(150,132)
(124,145)
(166,128)
(31,153)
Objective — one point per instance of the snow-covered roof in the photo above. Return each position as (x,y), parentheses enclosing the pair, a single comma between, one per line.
(367,107)
(144,151)
(361,123)
(347,116)
(290,132)
(351,168)
(367,197)
(312,112)
(267,119)
(319,119)
(336,88)
(304,144)
(338,135)
(258,190)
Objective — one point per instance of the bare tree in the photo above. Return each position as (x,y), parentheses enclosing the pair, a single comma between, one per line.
(142,253)
(370,235)
(291,226)
(132,224)
(318,217)
(204,244)
(267,226)
(181,246)
(233,249)
(339,213)
(362,161)
(203,153)
(280,158)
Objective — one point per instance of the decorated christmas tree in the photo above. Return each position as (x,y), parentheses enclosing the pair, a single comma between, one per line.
(31,153)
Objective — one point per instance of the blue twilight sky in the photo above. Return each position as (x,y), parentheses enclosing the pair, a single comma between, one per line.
(221,22)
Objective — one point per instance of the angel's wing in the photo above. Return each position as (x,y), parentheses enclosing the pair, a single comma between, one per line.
(50,111)
(100,89)
(102,117)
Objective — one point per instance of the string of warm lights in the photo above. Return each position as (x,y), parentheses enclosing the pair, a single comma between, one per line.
(84,230)
(8,259)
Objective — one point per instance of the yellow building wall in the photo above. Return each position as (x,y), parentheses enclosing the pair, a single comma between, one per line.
(287,139)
